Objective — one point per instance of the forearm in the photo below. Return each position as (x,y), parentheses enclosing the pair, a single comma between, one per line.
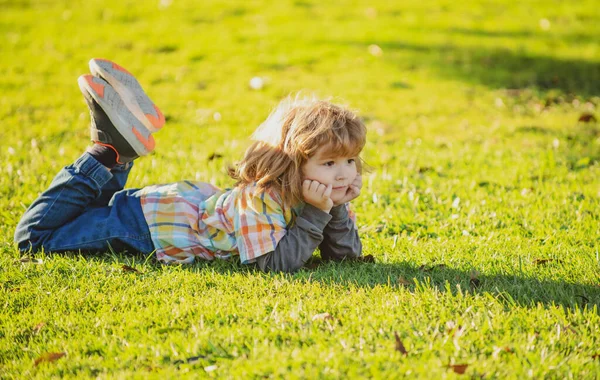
(340,237)
(299,243)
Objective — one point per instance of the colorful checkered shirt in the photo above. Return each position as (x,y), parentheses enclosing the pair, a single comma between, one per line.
(195,219)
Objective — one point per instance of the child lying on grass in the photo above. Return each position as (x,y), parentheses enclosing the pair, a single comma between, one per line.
(293,187)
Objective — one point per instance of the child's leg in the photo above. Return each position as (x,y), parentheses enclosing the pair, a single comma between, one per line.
(115,184)
(61,218)
(73,212)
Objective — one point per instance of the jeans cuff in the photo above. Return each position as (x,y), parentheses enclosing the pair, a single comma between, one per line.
(91,168)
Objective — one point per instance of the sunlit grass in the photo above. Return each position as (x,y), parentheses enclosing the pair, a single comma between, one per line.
(481,210)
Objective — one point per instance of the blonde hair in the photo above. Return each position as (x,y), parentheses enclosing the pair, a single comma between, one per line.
(292,133)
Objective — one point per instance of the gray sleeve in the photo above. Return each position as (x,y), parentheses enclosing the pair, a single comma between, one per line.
(298,244)
(340,237)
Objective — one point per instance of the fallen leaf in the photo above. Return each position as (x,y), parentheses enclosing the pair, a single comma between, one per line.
(429,269)
(366,259)
(49,357)
(190,360)
(33,260)
(474,282)
(404,282)
(214,156)
(587,118)
(127,268)
(399,346)
(459,368)
(322,317)
(545,261)
(38,327)
(596,356)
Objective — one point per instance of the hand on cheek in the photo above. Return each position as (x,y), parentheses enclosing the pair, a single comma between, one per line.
(352,192)
(317,194)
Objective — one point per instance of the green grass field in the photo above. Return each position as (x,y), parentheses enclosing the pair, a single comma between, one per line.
(482,208)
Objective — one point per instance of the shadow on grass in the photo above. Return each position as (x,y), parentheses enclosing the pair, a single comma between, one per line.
(511,289)
(495,68)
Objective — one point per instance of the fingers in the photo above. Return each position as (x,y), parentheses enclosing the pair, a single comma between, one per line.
(317,194)
(317,188)
(327,192)
(355,190)
(306,185)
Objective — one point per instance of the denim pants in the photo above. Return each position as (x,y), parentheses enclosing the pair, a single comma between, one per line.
(85,208)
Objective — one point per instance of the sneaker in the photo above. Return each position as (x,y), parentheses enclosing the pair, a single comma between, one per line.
(130,91)
(112,123)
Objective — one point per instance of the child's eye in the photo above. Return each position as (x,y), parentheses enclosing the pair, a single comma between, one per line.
(329,163)
(351,160)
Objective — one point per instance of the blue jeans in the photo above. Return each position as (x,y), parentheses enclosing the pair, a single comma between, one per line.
(85,208)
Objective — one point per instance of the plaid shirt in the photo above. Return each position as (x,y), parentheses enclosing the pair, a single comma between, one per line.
(189,219)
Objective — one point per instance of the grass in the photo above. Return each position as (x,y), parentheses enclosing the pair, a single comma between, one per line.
(482,208)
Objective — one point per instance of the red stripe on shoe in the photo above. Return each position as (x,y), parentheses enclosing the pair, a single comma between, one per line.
(157,122)
(147,142)
(97,87)
(120,68)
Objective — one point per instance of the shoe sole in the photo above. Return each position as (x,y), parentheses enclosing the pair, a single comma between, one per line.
(129,126)
(130,90)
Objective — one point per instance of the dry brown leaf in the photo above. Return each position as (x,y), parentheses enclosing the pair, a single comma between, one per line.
(545,261)
(38,327)
(399,346)
(404,282)
(33,260)
(429,269)
(459,368)
(214,156)
(596,356)
(322,317)
(474,282)
(49,357)
(127,268)
(366,259)
(587,118)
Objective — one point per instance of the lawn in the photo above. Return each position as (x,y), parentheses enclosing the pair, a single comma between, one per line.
(481,209)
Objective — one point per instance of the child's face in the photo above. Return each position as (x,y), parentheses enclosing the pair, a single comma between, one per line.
(338,171)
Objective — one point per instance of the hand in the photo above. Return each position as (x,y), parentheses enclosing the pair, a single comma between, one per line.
(352,192)
(317,194)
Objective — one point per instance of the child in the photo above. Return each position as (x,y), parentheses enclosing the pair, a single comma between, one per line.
(291,196)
